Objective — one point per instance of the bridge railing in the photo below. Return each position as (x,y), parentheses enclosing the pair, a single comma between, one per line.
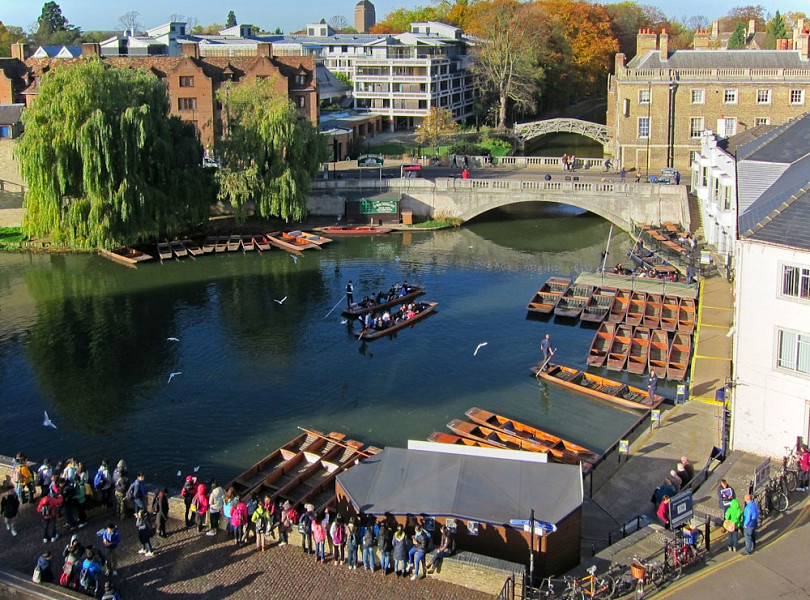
(552,163)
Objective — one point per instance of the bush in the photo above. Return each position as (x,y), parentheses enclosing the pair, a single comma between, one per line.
(468,148)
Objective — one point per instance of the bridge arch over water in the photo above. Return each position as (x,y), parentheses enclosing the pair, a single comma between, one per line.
(528,131)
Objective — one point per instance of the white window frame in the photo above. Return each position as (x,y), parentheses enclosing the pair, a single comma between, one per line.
(793,351)
(730,96)
(698,96)
(762,121)
(800,100)
(645,97)
(764,96)
(795,282)
(639,128)
(731,126)
(696,132)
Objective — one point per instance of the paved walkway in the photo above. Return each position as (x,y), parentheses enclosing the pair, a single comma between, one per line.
(711,361)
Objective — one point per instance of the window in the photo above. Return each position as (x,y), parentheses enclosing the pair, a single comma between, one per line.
(186,81)
(796,282)
(729,126)
(704,177)
(644,127)
(697,96)
(302,101)
(730,97)
(187,104)
(644,96)
(762,121)
(797,96)
(727,198)
(763,96)
(300,80)
(695,127)
(793,351)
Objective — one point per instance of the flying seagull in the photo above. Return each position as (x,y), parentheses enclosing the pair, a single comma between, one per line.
(173,375)
(172,339)
(280,301)
(478,347)
(344,321)
(294,257)
(47,421)
(197,468)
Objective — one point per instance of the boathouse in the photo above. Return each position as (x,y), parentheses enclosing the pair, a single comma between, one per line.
(478,492)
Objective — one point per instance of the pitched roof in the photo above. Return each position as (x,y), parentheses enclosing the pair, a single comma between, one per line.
(785,144)
(488,490)
(10,113)
(721,59)
(733,144)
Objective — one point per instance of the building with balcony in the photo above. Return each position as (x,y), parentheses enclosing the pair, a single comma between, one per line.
(661,101)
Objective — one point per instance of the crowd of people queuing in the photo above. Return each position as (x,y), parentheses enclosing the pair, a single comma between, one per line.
(60,494)
(672,484)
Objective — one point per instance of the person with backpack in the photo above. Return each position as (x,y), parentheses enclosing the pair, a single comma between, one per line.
(120,484)
(102,483)
(160,506)
(9,507)
(89,573)
(23,479)
(73,554)
(260,520)
(385,537)
(136,493)
(215,502)
(145,532)
(80,499)
(446,547)
(229,500)
(187,493)
(110,539)
(43,572)
(337,532)
(44,475)
(368,539)
(239,520)
(48,507)
(305,528)
(285,523)
(319,537)
(68,493)
(400,546)
(200,506)
(352,543)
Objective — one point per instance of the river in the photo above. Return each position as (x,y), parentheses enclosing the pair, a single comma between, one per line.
(85,339)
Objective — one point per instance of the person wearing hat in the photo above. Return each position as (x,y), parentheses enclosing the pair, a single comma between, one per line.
(305,527)
(285,523)
(10,506)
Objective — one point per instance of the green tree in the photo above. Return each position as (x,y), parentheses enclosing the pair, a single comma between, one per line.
(775,30)
(437,125)
(737,39)
(104,162)
(53,26)
(231,20)
(269,155)
(9,35)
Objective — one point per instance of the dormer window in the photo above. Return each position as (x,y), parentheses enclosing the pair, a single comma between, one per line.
(300,80)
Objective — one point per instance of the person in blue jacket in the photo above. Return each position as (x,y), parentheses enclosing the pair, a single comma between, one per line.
(750,519)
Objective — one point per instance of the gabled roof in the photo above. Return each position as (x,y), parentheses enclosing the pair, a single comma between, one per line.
(735,143)
(11,113)
(721,59)
(489,490)
(785,144)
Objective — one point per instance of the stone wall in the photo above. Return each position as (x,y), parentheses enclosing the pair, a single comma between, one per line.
(9,171)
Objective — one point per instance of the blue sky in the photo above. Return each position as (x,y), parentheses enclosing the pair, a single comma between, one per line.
(290,16)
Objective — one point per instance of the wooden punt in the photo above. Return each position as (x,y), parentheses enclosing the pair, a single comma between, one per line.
(600,388)
(441,437)
(164,251)
(192,247)
(597,308)
(573,301)
(222,244)
(276,240)
(679,353)
(686,316)
(639,351)
(669,313)
(210,244)
(266,467)
(354,230)
(424,309)
(547,297)
(312,237)
(620,348)
(248,245)
(659,352)
(635,309)
(261,243)
(178,248)
(562,450)
(356,309)
(601,344)
(618,310)
(492,438)
(302,243)
(652,311)
(234,242)
(125,255)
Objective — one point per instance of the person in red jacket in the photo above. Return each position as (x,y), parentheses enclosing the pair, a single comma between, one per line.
(200,504)
(663,511)
(48,507)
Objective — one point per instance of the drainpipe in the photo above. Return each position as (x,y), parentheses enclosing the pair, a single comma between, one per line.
(671,126)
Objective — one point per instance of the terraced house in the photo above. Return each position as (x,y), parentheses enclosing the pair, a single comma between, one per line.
(661,101)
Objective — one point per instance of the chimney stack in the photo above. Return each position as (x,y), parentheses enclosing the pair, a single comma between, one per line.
(715,30)
(91,49)
(264,49)
(20,51)
(619,63)
(663,45)
(190,49)
(701,39)
(804,45)
(783,44)
(752,27)
(645,42)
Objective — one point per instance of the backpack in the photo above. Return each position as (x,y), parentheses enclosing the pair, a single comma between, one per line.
(303,524)
(99,481)
(121,484)
(45,511)
(84,578)
(252,505)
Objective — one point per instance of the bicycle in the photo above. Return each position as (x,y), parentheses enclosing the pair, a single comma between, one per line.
(545,591)
(789,477)
(625,583)
(771,499)
(590,586)
(679,554)
(647,574)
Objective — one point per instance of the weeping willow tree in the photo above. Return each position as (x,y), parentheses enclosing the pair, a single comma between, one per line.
(104,163)
(269,155)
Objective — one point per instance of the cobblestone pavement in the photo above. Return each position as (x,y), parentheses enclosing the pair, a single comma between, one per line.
(190,565)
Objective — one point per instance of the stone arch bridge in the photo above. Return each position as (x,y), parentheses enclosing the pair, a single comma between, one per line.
(624,204)
(601,133)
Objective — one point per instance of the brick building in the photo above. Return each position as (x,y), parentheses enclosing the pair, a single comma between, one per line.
(192,80)
(661,101)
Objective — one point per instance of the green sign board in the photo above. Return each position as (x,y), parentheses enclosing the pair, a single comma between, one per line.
(378,207)
(370,160)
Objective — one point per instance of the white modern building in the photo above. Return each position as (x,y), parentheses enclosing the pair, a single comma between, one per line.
(771,406)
